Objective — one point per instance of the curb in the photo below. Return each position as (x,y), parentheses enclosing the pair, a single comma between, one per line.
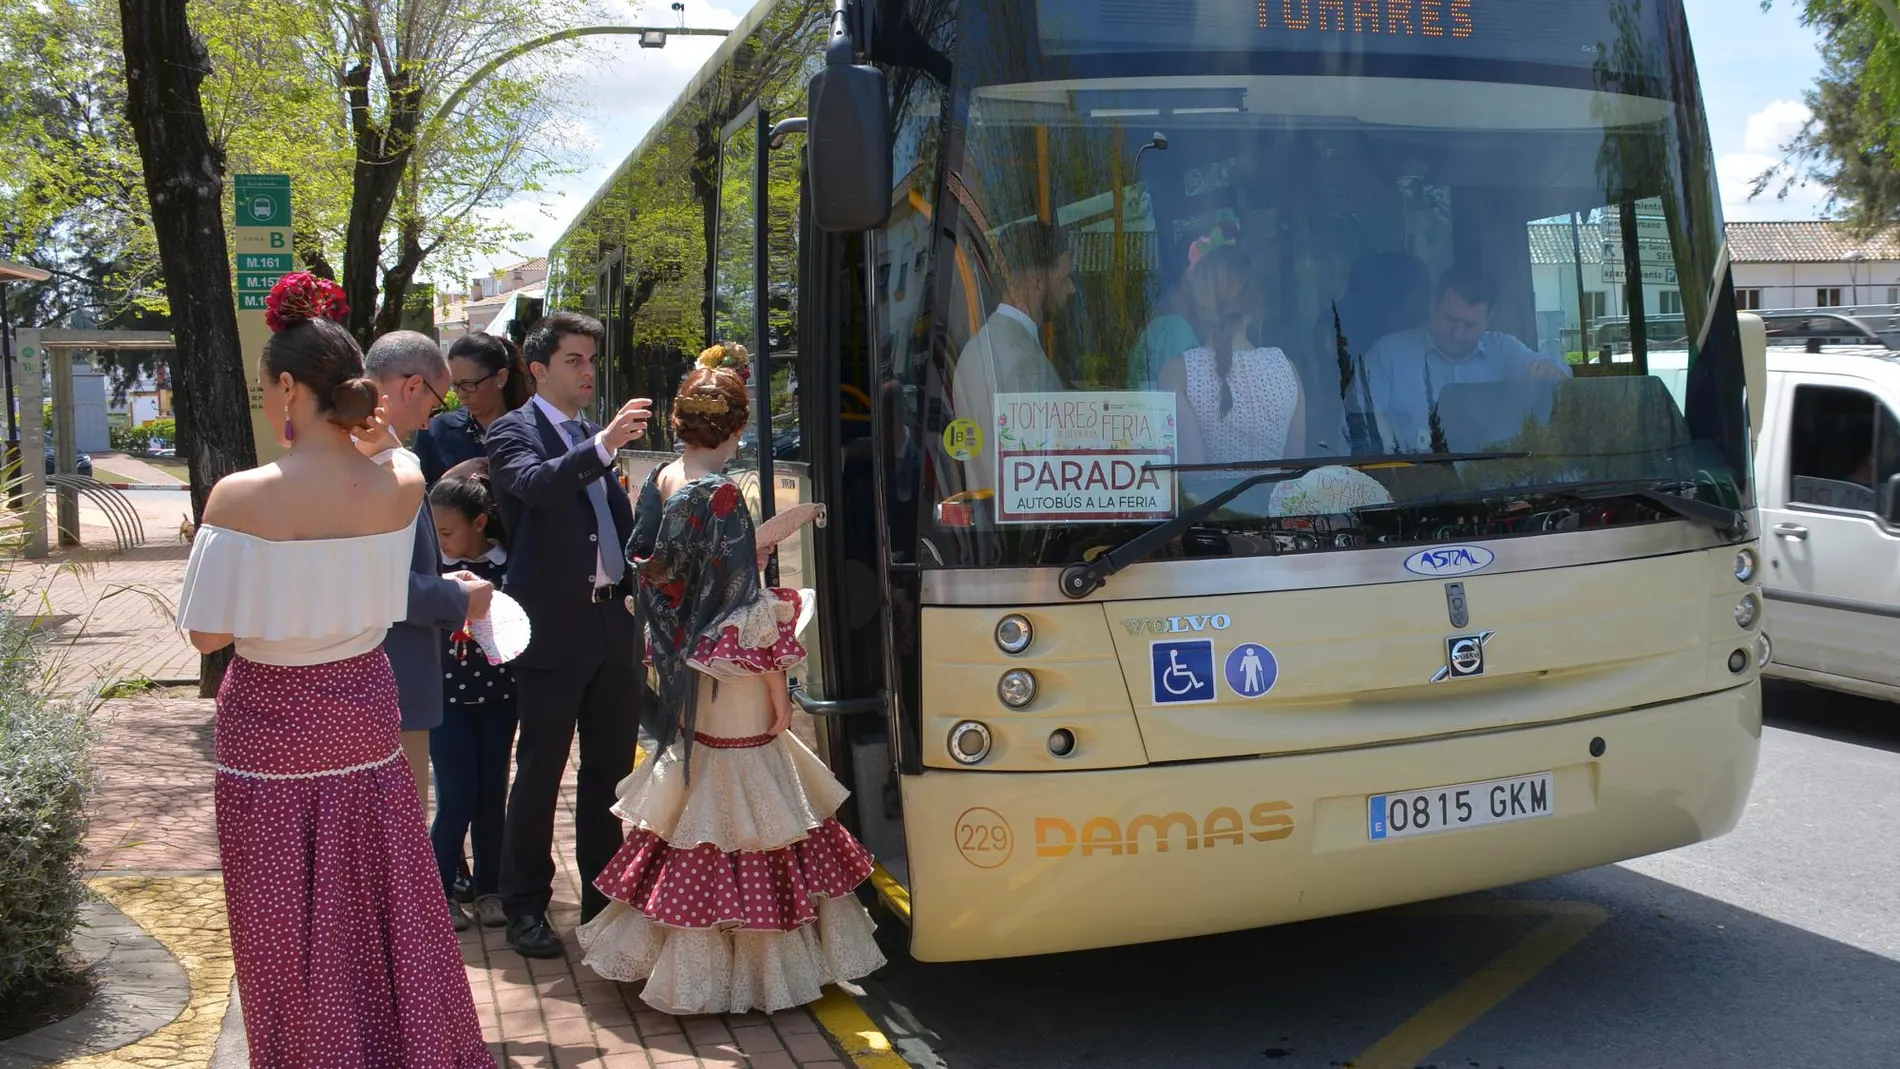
(148,486)
(141,988)
(840,1015)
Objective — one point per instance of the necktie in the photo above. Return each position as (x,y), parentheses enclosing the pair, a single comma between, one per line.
(610,563)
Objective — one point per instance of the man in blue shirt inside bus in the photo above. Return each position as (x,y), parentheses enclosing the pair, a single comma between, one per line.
(1406,371)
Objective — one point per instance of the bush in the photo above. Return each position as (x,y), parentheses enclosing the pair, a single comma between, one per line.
(135,440)
(45,786)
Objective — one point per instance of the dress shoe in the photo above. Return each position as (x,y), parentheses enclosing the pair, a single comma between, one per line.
(464,890)
(533,937)
(459,916)
(488,911)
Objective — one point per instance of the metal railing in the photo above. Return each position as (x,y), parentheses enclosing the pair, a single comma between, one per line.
(127,529)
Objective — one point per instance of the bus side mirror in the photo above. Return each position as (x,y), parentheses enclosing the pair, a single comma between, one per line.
(847,149)
(1754,371)
(1890,500)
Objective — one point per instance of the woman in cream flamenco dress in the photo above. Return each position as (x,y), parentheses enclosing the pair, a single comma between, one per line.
(734,889)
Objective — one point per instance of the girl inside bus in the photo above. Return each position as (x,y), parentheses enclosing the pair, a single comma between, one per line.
(1235,401)
(733,891)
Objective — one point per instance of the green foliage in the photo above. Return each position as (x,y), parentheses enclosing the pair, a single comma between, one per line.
(1850,145)
(46,780)
(135,440)
(72,192)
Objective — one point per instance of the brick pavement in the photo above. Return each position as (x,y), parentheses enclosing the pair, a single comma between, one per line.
(154,817)
(108,615)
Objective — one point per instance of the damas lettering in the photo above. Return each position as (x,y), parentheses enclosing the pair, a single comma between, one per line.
(1424,18)
(1160,834)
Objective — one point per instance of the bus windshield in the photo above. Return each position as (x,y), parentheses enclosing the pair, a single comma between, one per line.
(1192,234)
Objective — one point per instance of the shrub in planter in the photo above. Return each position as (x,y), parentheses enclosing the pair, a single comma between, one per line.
(45,787)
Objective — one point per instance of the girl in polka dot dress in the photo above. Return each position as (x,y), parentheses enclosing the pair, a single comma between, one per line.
(734,889)
(473,748)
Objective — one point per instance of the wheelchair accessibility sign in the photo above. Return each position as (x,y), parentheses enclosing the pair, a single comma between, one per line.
(1183,671)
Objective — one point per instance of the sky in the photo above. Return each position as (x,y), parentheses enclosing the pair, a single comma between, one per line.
(1755,66)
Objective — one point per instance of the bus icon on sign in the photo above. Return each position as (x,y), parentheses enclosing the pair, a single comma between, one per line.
(263,207)
(1183,671)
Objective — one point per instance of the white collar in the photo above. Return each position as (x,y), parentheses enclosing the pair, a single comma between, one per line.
(1023,318)
(560,418)
(496,556)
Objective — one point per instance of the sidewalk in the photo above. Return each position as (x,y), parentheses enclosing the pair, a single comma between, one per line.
(109,615)
(154,846)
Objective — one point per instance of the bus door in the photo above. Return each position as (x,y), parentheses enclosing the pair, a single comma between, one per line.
(794,297)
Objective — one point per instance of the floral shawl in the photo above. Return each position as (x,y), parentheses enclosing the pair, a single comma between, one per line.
(695,564)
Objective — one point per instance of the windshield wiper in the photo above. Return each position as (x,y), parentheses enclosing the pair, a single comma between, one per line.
(1664,494)
(1083,578)
(1728,522)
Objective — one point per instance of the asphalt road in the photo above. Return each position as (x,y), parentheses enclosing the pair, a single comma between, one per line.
(1775,946)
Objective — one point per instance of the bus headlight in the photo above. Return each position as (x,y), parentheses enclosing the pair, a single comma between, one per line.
(1747,611)
(1017,688)
(1013,634)
(1744,565)
(969,742)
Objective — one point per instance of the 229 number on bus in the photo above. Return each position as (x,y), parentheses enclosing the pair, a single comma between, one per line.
(1464,805)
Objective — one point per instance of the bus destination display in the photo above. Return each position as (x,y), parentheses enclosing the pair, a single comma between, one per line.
(1571,33)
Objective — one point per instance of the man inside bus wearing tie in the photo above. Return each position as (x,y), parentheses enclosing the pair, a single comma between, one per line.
(566,518)
(1006,355)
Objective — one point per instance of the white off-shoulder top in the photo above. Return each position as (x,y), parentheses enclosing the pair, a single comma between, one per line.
(301,602)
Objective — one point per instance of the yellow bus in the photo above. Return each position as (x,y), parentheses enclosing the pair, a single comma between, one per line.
(1228,525)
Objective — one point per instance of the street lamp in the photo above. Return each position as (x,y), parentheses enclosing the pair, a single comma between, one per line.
(1854,259)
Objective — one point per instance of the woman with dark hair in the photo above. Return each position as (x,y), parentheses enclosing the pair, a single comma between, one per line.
(734,890)
(490,381)
(470,749)
(341,939)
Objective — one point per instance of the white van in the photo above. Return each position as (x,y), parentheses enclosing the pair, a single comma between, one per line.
(1827,470)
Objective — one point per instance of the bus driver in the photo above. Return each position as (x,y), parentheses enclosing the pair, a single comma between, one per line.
(1405,371)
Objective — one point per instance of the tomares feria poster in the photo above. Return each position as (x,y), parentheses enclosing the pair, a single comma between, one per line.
(1084,457)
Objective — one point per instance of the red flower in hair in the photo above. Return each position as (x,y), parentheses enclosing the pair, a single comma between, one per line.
(724,500)
(301,295)
(674,591)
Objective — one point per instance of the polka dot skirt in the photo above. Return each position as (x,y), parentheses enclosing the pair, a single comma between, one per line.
(702,887)
(342,941)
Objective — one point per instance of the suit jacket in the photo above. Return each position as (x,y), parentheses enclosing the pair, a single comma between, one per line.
(1002,357)
(415,643)
(540,483)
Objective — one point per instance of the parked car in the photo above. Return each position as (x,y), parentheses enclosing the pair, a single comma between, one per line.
(84,463)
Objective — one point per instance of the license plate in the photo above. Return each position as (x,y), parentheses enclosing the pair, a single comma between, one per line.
(1404,814)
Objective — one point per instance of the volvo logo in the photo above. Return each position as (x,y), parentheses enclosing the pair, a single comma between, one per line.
(1464,656)
(1178,625)
(1449,560)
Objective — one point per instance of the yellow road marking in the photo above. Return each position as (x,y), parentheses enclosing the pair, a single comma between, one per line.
(895,894)
(1451,1013)
(862,1041)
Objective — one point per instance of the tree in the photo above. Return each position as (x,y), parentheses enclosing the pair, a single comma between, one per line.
(164,65)
(437,128)
(1849,146)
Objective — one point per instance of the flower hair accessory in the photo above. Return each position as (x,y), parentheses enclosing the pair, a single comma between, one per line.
(301,295)
(730,355)
(1226,231)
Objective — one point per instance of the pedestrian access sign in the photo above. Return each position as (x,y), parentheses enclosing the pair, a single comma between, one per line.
(1183,671)
(1251,670)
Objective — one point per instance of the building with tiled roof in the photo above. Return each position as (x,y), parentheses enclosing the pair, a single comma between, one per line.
(1795,264)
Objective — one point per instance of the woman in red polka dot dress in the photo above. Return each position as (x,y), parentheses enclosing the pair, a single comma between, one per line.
(345,958)
(733,891)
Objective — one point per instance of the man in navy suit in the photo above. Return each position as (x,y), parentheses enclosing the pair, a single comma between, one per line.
(567,519)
